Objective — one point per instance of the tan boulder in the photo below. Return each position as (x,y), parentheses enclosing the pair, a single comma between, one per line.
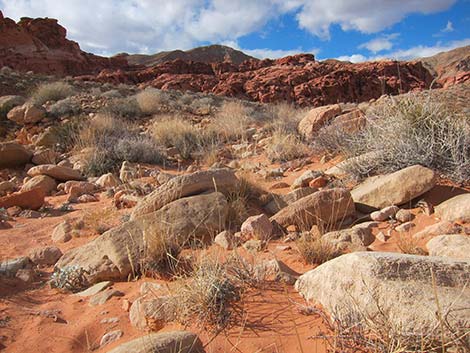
(186,185)
(45,183)
(27,114)
(323,208)
(165,342)
(62,233)
(59,173)
(456,246)
(433,230)
(13,154)
(455,209)
(370,288)
(393,189)
(316,119)
(352,121)
(44,156)
(108,181)
(278,202)
(257,227)
(118,252)
(31,199)
(354,239)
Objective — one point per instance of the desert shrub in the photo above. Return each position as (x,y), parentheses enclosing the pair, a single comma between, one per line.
(161,255)
(406,131)
(65,108)
(124,108)
(207,295)
(113,141)
(284,117)
(315,250)
(112,93)
(171,131)
(285,147)
(68,133)
(231,121)
(152,101)
(69,278)
(51,92)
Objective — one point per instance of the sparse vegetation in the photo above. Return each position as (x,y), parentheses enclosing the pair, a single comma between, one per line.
(124,108)
(51,92)
(285,147)
(69,279)
(315,250)
(152,101)
(111,141)
(403,132)
(231,121)
(65,108)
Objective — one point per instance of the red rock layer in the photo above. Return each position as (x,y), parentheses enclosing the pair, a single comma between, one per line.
(40,45)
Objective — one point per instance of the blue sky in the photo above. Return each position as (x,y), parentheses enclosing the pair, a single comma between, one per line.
(355,30)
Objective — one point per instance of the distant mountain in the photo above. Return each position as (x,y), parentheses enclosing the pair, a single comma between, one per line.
(449,67)
(207,54)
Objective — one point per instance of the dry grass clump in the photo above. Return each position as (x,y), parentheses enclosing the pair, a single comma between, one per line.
(407,131)
(409,245)
(315,250)
(161,255)
(113,141)
(172,131)
(125,108)
(152,101)
(207,295)
(99,221)
(51,92)
(284,117)
(65,108)
(231,121)
(285,147)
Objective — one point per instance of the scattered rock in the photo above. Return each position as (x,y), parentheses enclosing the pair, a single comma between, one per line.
(95,289)
(384,214)
(13,154)
(165,342)
(278,202)
(27,114)
(57,172)
(404,216)
(9,268)
(316,119)
(110,337)
(31,199)
(257,227)
(43,182)
(26,275)
(151,313)
(354,239)
(400,284)
(44,156)
(253,245)
(396,188)
(405,227)
(6,187)
(443,227)
(323,208)
(275,270)
(102,297)
(149,288)
(304,180)
(226,240)
(455,209)
(62,233)
(186,185)
(108,181)
(456,246)
(45,256)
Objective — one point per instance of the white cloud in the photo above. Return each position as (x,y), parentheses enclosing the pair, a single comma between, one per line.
(111,26)
(367,16)
(419,51)
(448,28)
(382,43)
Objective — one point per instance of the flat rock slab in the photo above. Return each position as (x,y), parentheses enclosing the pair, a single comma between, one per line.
(103,297)
(455,209)
(95,289)
(393,189)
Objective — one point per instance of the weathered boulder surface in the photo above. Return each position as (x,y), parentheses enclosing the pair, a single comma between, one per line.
(57,172)
(118,252)
(456,246)
(165,342)
(353,239)
(31,199)
(186,185)
(322,208)
(13,154)
(373,287)
(393,189)
(455,209)
(316,119)
(45,183)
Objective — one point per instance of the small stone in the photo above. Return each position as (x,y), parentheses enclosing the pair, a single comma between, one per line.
(126,305)
(87,198)
(95,289)
(225,240)
(257,227)
(381,236)
(405,227)
(384,214)
(27,275)
(318,182)
(110,337)
(149,287)
(253,245)
(45,256)
(103,297)
(62,233)
(280,185)
(367,225)
(110,320)
(404,216)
